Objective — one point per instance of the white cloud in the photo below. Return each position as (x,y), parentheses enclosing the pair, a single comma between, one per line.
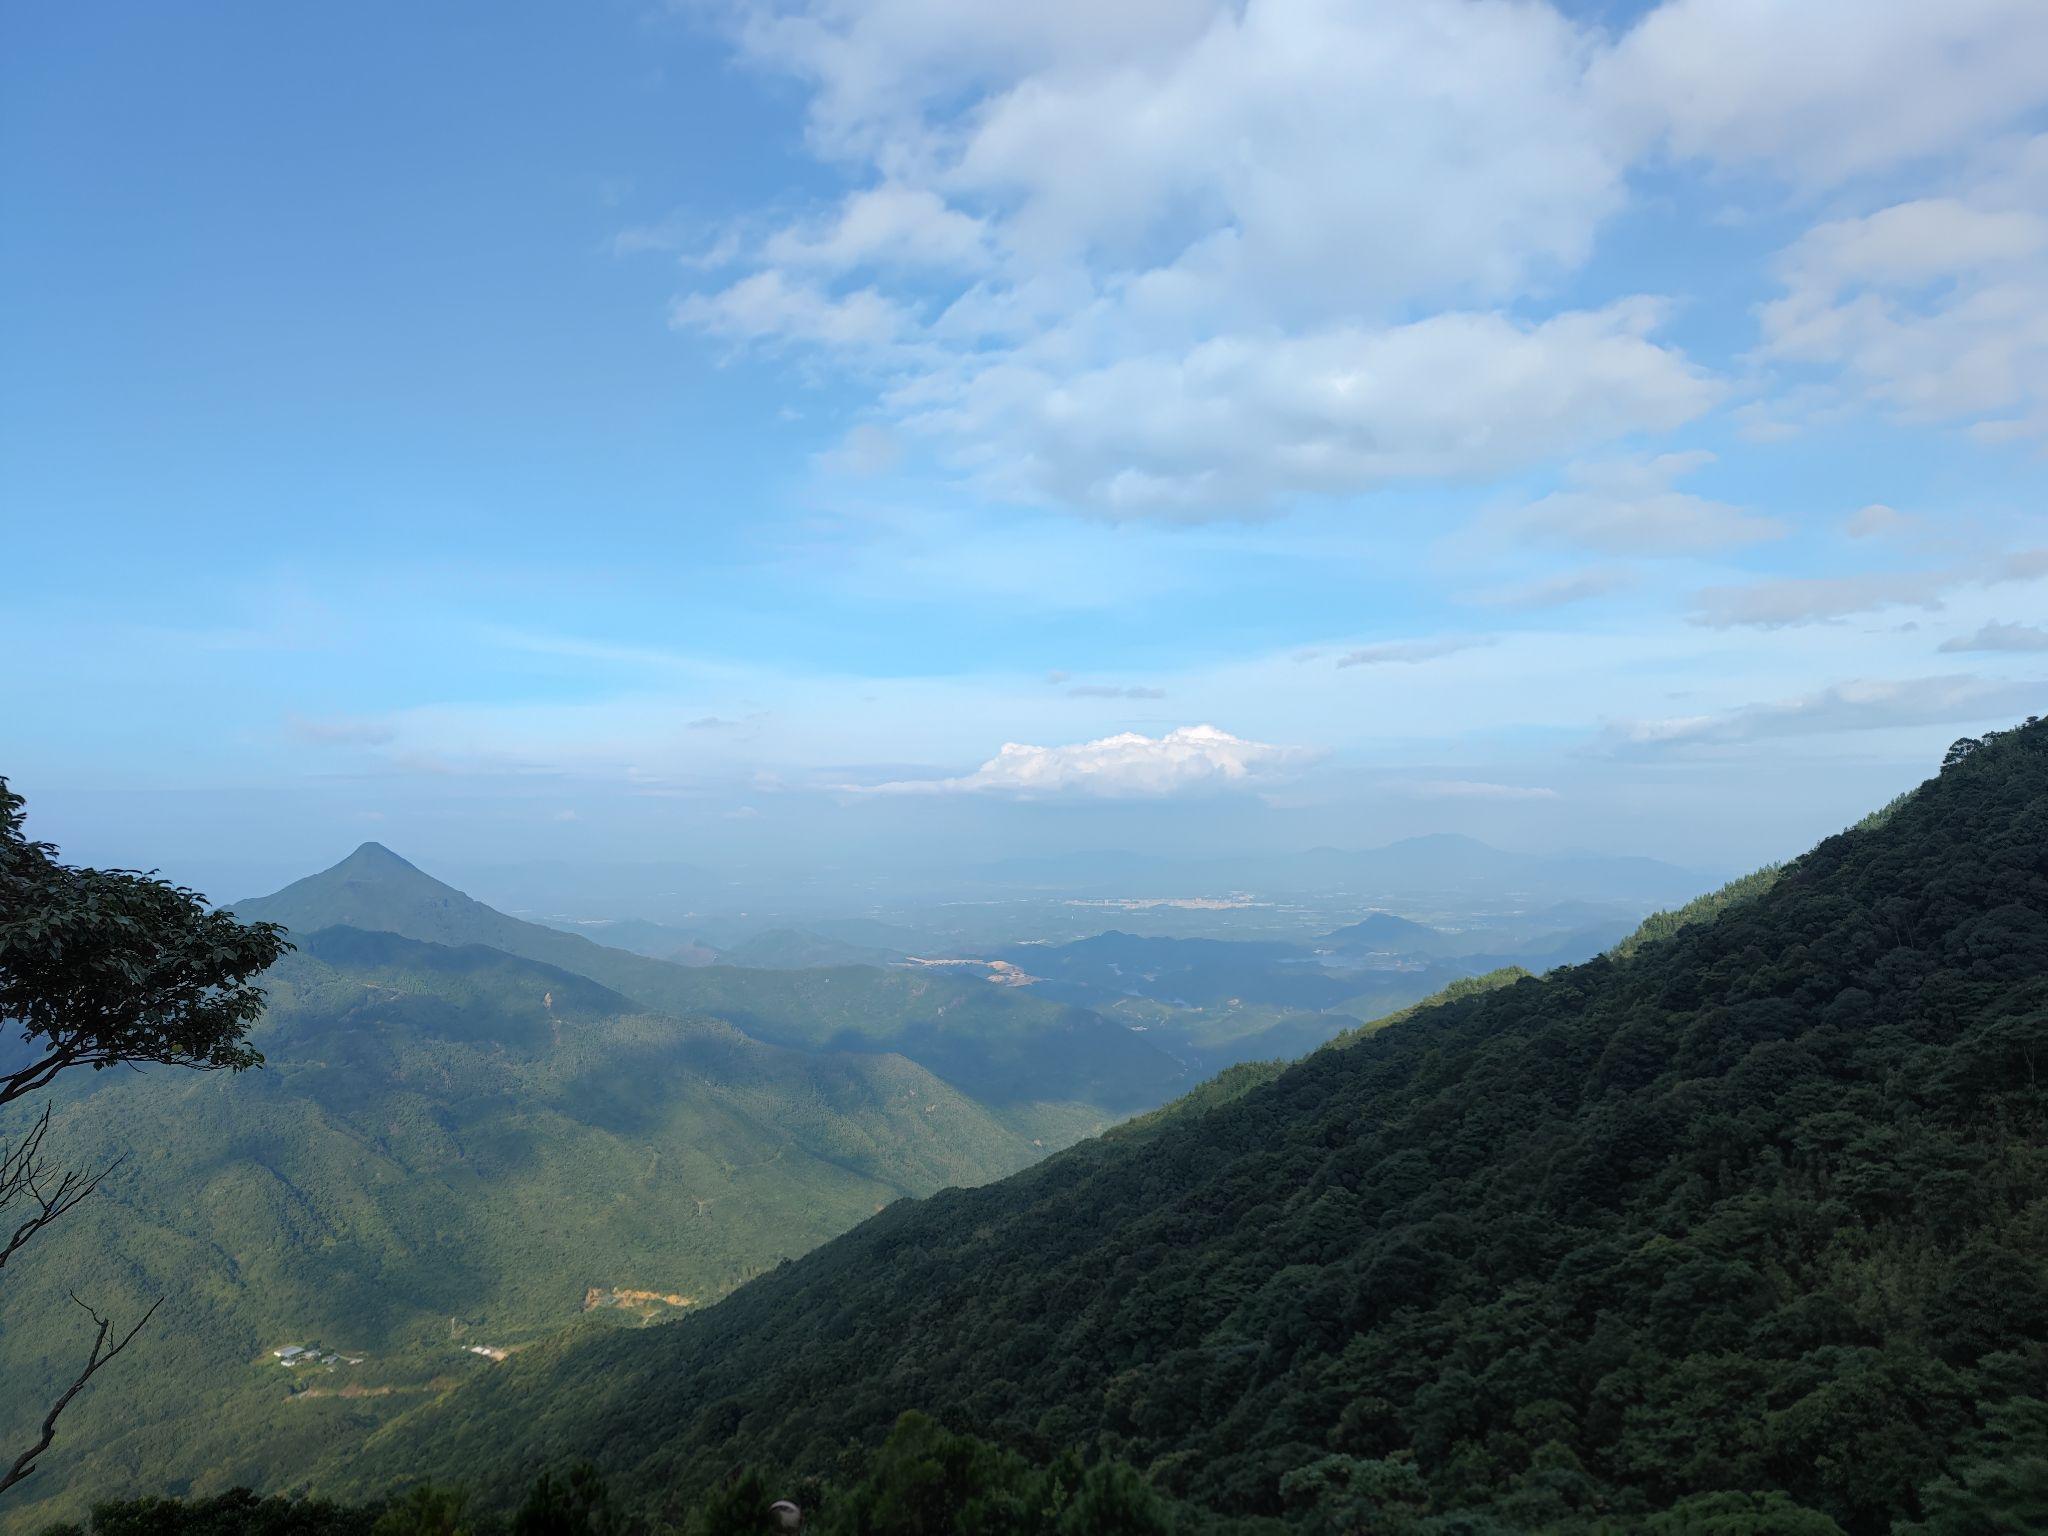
(1201,258)
(770,307)
(2000,637)
(1630,507)
(1851,706)
(1236,422)
(1191,758)
(1820,90)
(1936,309)
(1409,651)
(1308,130)
(886,226)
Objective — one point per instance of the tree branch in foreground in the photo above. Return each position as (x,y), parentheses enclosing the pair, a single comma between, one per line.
(24,1176)
(26,1462)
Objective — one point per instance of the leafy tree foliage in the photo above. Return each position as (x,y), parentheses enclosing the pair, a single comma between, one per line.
(102,968)
(1748,1230)
(235,1513)
(923,1481)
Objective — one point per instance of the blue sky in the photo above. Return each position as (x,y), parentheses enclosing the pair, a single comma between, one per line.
(909,430)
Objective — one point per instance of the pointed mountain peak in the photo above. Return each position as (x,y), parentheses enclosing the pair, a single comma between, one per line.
(373,888)
(374,856)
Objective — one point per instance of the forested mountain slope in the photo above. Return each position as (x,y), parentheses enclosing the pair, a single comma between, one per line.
(996,1043)
(1761,1210)
(445,1147)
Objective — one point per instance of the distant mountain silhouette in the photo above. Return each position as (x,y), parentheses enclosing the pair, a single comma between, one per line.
(1002,1045)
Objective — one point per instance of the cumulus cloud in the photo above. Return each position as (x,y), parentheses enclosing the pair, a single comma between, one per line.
(1191,758)
(1823,90)
(1232,423)
(1936,308)
(1206,257)
(1120,145)
(1631,507)
(1851,706)
(1199,258)
(1409,651)
(2000,637)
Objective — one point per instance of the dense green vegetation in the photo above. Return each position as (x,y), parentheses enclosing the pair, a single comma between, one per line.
(445,1147)
(924,1481)
(1661,925)
(1746,1232)
(1456,991)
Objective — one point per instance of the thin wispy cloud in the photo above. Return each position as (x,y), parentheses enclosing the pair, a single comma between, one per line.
(1796,600)
(1878,521)
(1112,691)
(1410,652)
(1863,705)
(2000,637)
(1632,507)
(1817,599)
(1558,591)
(1479,789)
(340,731)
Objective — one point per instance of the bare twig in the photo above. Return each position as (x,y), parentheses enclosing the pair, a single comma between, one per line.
(25,1463)
(24,1177)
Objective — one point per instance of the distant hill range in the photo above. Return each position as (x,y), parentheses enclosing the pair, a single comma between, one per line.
(1438,863)
(1005,1046)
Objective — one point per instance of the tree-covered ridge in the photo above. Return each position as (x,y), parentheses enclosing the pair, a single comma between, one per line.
(1751,1230)
(1457,991)
(1661,925)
